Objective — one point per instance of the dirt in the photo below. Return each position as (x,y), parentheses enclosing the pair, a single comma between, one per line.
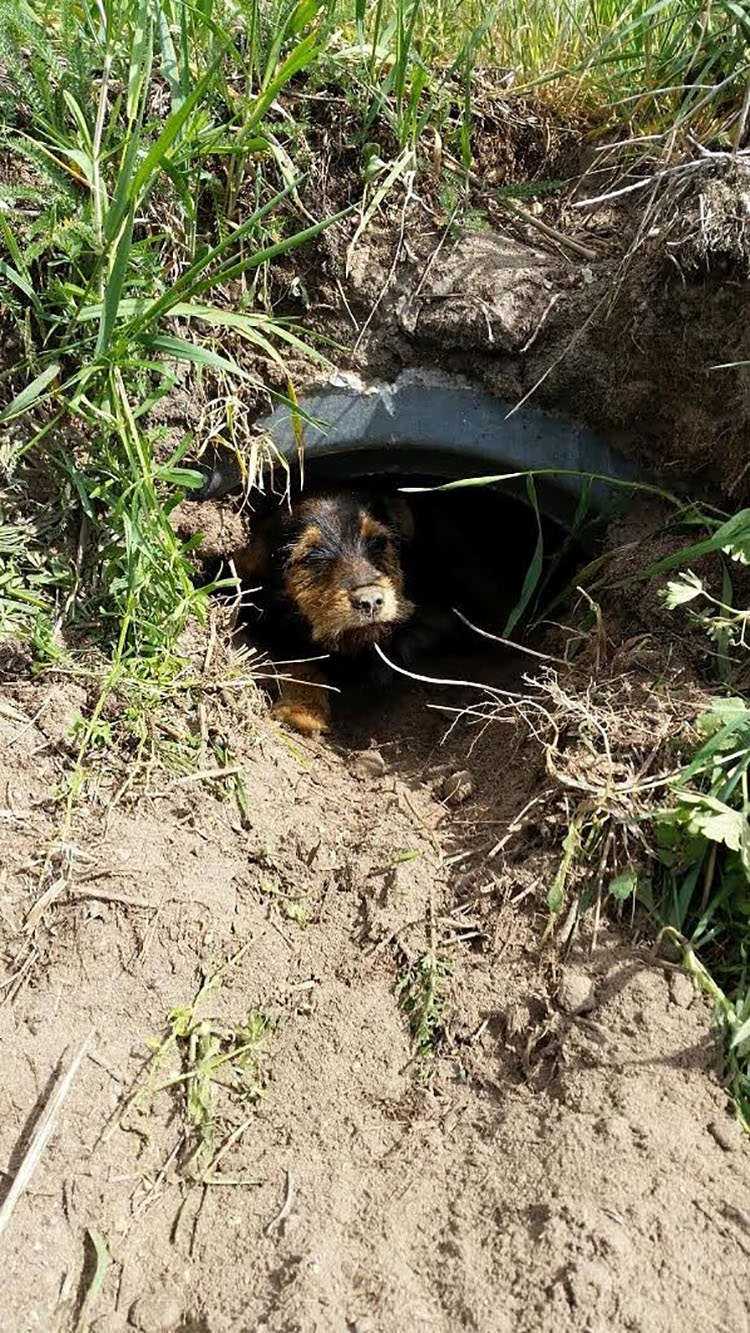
(566,1160)
(532,326)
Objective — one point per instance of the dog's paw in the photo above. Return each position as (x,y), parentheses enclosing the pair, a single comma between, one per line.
(308,721)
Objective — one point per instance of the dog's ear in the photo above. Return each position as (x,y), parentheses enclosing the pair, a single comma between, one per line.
(399,516)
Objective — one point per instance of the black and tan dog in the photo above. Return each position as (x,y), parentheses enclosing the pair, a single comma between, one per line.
(333,583)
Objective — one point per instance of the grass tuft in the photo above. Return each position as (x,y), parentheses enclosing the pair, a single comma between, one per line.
(213,1058)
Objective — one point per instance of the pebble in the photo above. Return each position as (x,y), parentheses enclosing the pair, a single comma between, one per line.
(369,764)
(727,1132)
(157,1312)
(576,993)
(457,787)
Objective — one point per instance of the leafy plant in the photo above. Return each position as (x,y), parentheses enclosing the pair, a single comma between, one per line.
(421,993)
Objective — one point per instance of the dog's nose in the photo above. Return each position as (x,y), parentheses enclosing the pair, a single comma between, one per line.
(368,599)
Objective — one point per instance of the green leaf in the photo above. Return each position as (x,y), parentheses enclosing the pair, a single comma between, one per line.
(23,286)
(534,571)
(728,736)
(741,1035)
(715,820)
(169,62)
(140,59)
(31,393)
(723,711)
(624,886)
(97,1282)
(181,350)
(182,476)
(735,532)
(115,284)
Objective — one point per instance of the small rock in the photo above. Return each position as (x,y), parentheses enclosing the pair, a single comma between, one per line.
(109,1323)
(369,764)
(457,788)
(576,994)
(157,1312)
(728,1134)
(588,1281)
(681,990)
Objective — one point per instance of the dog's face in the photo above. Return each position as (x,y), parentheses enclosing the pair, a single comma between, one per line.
(337,561)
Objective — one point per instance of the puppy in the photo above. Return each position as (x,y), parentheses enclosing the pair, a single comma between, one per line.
(333,583)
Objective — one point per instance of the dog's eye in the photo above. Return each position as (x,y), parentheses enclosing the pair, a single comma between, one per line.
(315,555)
(377,546)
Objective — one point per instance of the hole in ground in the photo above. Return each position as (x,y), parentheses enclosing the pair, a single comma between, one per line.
(479,551)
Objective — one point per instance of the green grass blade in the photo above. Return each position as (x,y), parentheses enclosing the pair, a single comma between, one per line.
(189,283)
(11,275)
(31,394)
(103,1261)
(141,179)
(181,350)
(141,57)
(234,270)
(115,284)
(534,571)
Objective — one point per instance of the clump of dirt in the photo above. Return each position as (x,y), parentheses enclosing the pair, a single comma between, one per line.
(564,1159)
(530,326)
(714,231)
(222,530)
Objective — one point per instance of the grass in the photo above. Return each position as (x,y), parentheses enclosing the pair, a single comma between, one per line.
(152,185)
(213,1058)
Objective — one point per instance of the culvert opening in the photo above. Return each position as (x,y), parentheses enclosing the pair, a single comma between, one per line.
(498,553)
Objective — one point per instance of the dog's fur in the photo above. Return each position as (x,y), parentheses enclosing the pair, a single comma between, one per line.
(333,580)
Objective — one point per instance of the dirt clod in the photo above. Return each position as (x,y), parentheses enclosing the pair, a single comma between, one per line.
(681,990)
(157,1312)
(576,992)
(458,787)
(369,764)
(727,1133)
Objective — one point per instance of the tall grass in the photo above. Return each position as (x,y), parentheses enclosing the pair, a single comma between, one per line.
(115,237)
(645,63)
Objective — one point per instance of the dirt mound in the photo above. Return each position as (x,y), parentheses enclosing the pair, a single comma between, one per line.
(569,1163)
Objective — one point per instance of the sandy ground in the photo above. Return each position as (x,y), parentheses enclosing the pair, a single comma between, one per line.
(566,1161)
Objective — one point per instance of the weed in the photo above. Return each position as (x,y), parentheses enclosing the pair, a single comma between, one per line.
(421,994)
(212,1057)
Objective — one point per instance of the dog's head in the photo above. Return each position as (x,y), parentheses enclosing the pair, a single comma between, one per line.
(336,561)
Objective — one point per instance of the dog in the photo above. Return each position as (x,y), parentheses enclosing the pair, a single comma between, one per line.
(331,569)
